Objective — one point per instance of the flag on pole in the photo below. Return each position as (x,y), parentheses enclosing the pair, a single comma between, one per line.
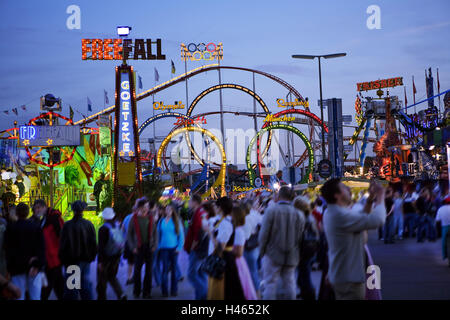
(414,91)
(406,100)
(156,75)
(23,107)
(106,96)
(89,103)
(140,82)
(15,111)
(6,112)
(173,67)
(70,112)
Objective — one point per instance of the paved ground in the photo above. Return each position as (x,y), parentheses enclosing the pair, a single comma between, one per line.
(409,270)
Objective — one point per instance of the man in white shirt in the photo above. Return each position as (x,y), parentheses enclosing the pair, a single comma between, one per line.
(443,215)
(345,233)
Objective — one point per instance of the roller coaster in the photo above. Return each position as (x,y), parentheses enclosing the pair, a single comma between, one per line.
(304,117)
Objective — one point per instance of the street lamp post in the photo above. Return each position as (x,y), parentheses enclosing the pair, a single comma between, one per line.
(311,57)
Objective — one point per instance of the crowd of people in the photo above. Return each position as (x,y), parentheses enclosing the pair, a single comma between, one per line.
(263,246)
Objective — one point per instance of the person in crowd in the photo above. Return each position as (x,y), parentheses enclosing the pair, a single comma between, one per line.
(12,175)
(197,245)
(159,213)
(317,213)
(170,243)
(78,247)
(279,245)
(252,227)
(443,215)
(389,230)
(5,174)
(98,187)
(51,223)
(411,218)
(398,214)
(143,240)
(21,186)
(8,291)
(34,184)
(308,249)
(345,231)
(214,220)
(8,198)
(424,209)
(25,254)
(110,247)
(127,253)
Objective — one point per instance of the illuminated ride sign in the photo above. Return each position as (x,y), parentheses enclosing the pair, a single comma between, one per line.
(121,49)
(281,103)
(379,84)
(160,105)
(49,136)
(272,118)
(201,51)
(126,137)
(185,122)
(126,143)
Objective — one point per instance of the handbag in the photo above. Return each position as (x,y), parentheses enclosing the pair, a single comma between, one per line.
(214,265)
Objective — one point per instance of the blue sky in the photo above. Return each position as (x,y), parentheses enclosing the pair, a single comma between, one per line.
(40,55)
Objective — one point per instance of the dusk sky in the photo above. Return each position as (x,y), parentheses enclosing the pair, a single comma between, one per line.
(41,55)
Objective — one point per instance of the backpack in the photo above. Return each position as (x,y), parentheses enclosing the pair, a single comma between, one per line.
(116,241)
(310,242)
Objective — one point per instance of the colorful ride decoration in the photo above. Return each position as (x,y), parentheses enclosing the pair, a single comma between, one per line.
(147,122)
(236,87)
(279,114)
(308,175)
(36,156)
(358,110)
(220,181)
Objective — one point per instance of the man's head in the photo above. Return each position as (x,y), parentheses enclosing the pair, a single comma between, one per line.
(225,205)
(285,193)
(335,192)
(78,207)
(195,202)
(32,173)
(22,211)
(279,174)
(39,208)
